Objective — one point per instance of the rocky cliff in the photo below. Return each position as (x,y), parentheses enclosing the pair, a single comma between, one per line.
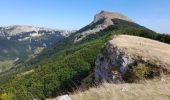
(113,63)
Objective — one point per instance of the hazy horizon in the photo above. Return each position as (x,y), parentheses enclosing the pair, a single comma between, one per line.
(73,15)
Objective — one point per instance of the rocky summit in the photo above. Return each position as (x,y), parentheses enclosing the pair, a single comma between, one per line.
(110,15)
(100,22)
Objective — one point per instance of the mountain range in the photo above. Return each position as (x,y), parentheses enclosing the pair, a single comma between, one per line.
(19,43)
(111,48)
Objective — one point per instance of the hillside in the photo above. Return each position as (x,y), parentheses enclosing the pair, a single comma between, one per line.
(131,47)
(19,43)
(131,58)
(62,68)
(145,48)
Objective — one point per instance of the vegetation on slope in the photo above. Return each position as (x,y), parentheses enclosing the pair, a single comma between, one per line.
(11,49)
(138,71)
(62,68)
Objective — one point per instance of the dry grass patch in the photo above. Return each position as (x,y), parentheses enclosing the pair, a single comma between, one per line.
(143,47)
(157,89)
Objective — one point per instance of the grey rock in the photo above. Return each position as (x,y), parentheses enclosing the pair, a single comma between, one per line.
(63,97)
(111,58)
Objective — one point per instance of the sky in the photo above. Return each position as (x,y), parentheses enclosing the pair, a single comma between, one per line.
(74,14)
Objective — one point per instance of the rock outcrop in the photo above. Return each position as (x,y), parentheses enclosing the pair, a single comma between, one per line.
(123,50)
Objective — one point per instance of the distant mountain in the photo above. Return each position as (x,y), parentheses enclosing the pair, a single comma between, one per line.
(18,43)
(23,29)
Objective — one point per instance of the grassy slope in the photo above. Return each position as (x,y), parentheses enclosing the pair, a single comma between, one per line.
(142,47)
(157,89)
(60,69)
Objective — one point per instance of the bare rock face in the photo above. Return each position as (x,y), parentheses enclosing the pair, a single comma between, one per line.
(110,59)
(123,50)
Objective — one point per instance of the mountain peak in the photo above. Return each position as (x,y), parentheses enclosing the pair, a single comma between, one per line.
(101,21)
(110,15)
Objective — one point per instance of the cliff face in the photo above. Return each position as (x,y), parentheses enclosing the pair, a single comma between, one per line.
(123,50)
(111,58)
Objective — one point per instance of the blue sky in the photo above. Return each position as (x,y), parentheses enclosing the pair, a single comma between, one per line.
(74,14)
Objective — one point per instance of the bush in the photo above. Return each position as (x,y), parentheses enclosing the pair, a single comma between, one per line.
(136,72)
(5,96)
(142,70)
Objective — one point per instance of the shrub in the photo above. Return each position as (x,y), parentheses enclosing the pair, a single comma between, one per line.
(142,70)
(136,72)
(5,96)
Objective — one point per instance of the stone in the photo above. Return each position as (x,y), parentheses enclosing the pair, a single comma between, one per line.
(63,97)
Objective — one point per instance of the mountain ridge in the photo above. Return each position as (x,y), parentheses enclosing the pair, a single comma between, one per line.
(18,29)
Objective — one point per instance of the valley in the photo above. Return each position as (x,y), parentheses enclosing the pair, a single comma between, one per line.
(21,43)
